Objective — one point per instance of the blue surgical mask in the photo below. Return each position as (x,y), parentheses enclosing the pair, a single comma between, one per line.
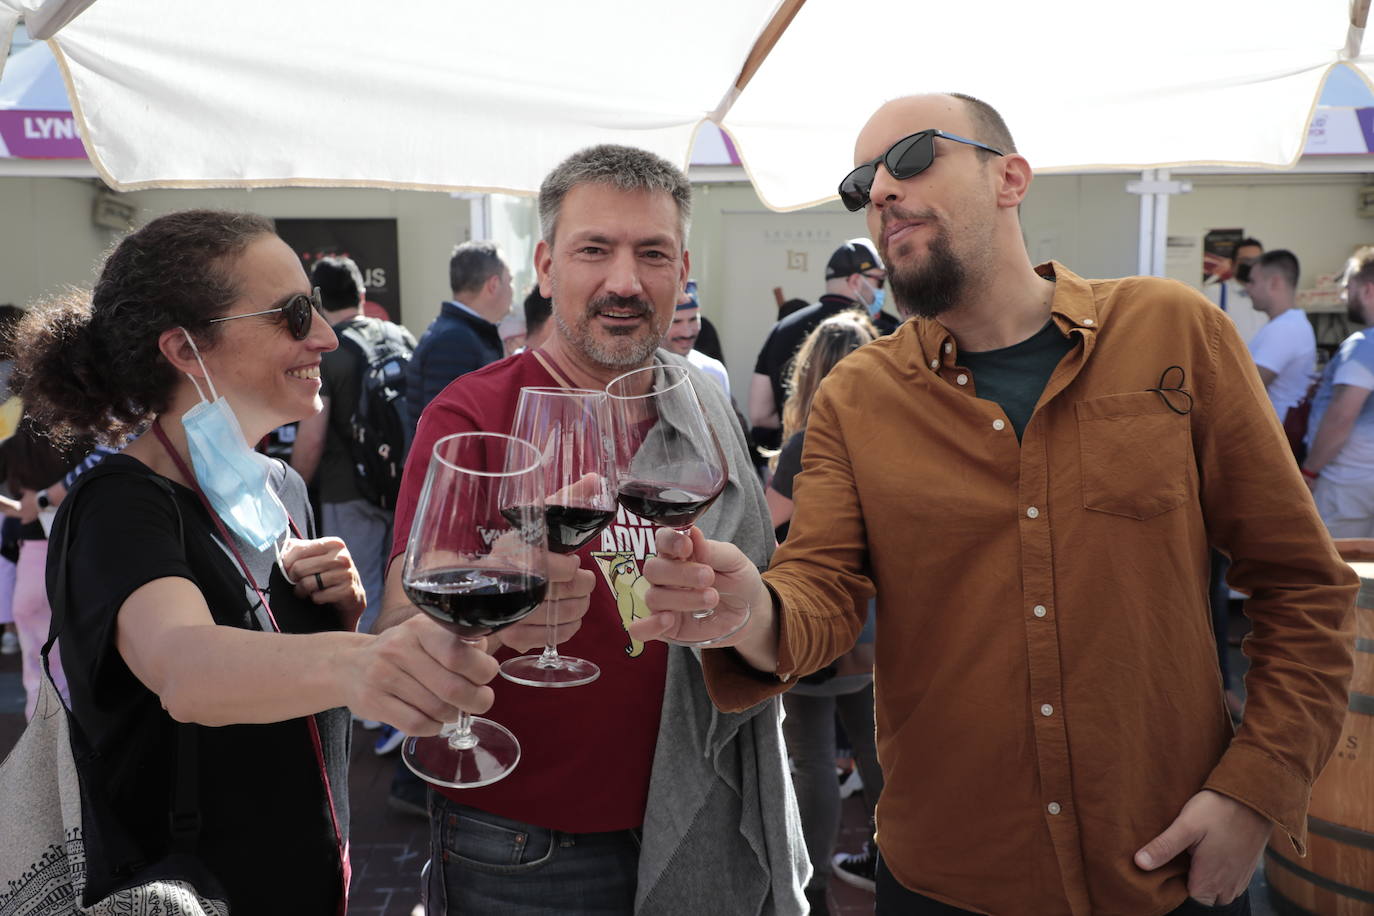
(233,476)
(879,297)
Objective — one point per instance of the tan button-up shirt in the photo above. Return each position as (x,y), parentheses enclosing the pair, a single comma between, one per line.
(1047,688)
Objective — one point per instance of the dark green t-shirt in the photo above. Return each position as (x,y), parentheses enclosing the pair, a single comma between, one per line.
(1015,377)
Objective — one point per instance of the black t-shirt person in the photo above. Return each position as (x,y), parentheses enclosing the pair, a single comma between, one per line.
(787,336)
(267,834)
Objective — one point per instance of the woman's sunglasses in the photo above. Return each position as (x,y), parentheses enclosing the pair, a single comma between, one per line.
(907,158)
(299,312)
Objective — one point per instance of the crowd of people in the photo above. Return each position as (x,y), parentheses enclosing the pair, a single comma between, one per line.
(997,493)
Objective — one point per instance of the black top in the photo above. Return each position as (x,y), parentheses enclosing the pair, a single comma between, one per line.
(1015,376)
(708,341)
(267,835)
(785,472)
(788,335)
(885,323)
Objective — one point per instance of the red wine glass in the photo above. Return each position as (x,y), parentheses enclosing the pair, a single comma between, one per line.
(670,467)
(571,427)
(476,566)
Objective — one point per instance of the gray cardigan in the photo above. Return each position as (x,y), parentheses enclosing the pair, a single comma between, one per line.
(721,829)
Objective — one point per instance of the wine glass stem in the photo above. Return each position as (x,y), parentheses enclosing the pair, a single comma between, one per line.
(550,658)
(460,737)
(696,615)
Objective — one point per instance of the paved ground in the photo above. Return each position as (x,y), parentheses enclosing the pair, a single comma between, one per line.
(389,848)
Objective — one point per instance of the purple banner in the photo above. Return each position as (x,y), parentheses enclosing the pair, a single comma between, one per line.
(1366,116)
(41,135)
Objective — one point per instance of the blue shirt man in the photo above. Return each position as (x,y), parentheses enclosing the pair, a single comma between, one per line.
(465,334)
(1340,438)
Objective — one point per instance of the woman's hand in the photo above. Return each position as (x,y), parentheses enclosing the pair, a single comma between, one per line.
(323,571)
(419,675)
(568,598)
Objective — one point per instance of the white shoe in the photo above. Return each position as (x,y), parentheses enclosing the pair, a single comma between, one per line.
(9,643)
(851,784)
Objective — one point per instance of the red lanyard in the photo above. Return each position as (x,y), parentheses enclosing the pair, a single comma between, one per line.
(262,594)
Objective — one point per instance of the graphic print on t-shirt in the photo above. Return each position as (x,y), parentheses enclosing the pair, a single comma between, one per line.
(625,544)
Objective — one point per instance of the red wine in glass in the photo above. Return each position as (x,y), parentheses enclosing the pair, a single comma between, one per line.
(477,567)
(665,504)
(572,527)
(671,468)
(571,428)
(476,602)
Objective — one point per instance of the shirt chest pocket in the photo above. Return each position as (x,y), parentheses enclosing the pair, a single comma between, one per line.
(1134,452)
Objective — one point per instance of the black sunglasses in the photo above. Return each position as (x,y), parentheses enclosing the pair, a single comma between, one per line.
(907,158)
(299,311)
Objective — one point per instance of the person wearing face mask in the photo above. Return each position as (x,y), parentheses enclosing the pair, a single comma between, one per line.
(854,279)
(206,627)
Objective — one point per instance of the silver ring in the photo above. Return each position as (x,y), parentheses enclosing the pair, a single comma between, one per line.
(319,581)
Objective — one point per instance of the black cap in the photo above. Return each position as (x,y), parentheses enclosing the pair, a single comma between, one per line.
(853,257)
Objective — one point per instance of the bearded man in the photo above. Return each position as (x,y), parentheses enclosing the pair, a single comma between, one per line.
(633,793)
(1034,503)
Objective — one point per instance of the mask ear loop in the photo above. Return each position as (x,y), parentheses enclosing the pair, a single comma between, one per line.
(280,544)
(208,381)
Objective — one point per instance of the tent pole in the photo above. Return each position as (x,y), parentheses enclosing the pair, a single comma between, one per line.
(1354,39)
(1144,256)
(1160,243)
(479,217)
(787,11)
(782,18)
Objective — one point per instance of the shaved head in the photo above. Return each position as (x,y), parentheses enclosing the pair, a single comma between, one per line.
(936,229)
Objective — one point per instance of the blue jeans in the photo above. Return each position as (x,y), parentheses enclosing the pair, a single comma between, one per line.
(484,864)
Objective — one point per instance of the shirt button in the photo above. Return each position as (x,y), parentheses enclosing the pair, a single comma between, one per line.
(949,347)
(998,425)
(1047,710)
(1088,322)
(935,364)
(1039,610)
(1032,512)
(962,379)
(1053,807)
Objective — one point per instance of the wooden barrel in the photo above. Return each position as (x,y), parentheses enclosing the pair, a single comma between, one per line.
(1337,877)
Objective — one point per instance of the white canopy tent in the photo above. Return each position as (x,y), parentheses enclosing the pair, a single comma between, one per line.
(449,95)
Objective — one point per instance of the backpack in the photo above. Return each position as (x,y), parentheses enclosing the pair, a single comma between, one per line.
(380,427)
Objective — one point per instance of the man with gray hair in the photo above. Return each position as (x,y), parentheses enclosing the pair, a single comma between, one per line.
(633,794)
(465,335)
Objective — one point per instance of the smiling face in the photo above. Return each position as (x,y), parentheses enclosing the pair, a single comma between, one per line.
(268,376)
(686,327)
(933,229)
(614,270)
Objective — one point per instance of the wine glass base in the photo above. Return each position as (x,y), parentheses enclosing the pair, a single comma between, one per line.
(436,761)
(706,624)
(570,672)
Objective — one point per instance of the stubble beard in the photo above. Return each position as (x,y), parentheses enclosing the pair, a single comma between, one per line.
(624,350)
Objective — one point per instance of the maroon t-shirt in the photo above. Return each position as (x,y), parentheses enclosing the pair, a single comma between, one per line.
(586,752)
